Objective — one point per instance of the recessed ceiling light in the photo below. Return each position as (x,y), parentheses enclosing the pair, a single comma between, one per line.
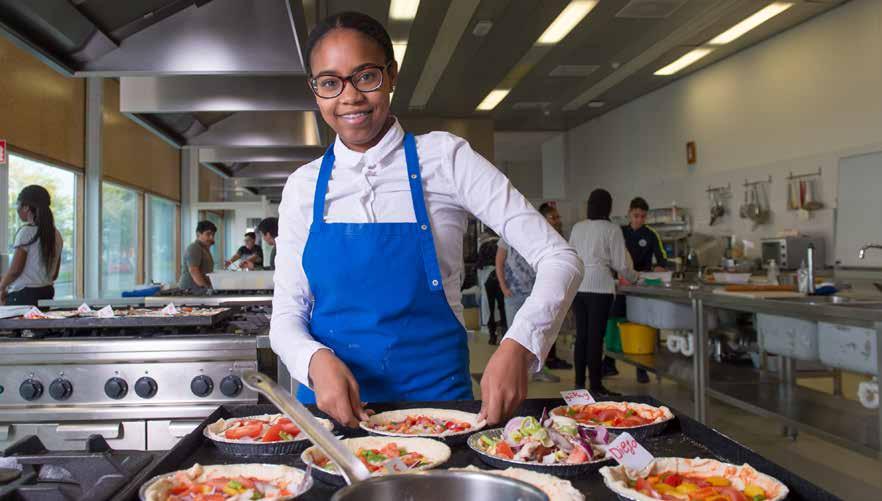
(493,98)
(568,18)
(758,18)
(403,10)
(684,61)
(400,48)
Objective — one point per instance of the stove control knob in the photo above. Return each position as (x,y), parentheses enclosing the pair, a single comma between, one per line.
(60,389)
(146,387)
(116,388)
(31,389)
(201,386)
(231,386)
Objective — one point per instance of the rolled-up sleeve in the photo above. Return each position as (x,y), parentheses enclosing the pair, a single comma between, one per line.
(485,192)
(290,337)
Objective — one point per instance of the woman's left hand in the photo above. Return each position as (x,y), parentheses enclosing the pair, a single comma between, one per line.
(504,384)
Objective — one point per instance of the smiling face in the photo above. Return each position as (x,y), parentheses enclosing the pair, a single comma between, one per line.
(359,118)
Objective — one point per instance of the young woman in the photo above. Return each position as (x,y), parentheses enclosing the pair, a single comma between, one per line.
(601,246)
(37,255)
(369,264)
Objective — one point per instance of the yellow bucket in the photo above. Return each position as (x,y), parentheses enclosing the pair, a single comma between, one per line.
(637,339)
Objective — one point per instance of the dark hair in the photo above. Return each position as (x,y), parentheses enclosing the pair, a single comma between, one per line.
(269,225)
(204,226)
(250,234)
(362,23)
(639,203)
(599,204)
(546,209)
(37,200)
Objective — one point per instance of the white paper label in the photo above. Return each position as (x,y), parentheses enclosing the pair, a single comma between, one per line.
(577,397)
(34,313)
(629,453)
(84,308)
(170,309)
(395,465)
(106,312)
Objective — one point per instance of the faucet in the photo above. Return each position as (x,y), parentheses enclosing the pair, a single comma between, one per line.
(863,252)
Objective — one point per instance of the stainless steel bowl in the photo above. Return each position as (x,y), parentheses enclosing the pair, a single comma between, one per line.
(440,486)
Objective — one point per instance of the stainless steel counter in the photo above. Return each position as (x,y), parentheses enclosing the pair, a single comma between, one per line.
(781,399)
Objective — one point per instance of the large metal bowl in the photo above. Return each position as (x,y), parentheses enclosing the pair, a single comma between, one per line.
(559,470)
(440,486)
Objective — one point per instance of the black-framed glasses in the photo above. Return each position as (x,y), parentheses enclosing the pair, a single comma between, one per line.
(366,79)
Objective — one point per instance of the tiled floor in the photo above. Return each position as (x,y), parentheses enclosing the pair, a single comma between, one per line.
(845,473)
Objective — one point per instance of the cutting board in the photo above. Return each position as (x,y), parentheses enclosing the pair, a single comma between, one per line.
(759,294)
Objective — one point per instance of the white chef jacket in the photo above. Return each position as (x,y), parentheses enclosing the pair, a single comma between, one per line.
(373,187)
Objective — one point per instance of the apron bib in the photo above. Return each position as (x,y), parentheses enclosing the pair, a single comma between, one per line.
(380,304)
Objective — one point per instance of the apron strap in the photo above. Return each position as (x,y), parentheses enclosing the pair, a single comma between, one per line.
(321,189)
(427,243)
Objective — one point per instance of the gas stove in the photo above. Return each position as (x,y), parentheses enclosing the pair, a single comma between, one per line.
(139,388)
(96,473)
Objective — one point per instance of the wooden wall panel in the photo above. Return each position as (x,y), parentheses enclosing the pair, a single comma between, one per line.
(211,186)
(133,155)
(477,131)
(41,111)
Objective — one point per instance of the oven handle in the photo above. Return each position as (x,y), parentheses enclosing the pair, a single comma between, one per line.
(84,431)
(179,429)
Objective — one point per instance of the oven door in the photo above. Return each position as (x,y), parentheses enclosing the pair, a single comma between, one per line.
(121,435)
(773,251)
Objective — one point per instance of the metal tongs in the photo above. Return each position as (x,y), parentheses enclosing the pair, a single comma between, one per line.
(352,468)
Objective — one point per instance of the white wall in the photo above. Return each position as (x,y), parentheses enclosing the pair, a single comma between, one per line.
(796,102)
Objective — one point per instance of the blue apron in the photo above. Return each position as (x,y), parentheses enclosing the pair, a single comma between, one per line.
(380,304)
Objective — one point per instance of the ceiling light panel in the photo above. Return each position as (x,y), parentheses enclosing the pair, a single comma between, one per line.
(684,61)
(568,18)
(758,18)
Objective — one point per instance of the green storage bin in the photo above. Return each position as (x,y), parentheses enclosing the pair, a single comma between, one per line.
(612,340)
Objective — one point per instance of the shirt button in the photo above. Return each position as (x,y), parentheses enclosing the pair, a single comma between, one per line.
(413,176)
(424,227)
(434,282)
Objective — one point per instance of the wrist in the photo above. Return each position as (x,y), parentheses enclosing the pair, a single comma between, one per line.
(518,350)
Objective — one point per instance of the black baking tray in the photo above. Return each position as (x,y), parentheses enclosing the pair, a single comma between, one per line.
(683,437)
(117,322)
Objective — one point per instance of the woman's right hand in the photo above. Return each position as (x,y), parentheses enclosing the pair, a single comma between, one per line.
(336,390)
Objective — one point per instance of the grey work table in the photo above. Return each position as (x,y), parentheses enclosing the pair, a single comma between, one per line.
(755,390)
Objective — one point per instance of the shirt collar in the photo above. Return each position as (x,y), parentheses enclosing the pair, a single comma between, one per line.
(345,157)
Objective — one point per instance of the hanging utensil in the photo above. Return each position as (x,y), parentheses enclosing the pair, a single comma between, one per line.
(743,210)
(425,486)
(810,202)
(801,194)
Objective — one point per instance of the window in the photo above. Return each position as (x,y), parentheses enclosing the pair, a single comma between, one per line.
(162,241)
(62,187)
(120,218)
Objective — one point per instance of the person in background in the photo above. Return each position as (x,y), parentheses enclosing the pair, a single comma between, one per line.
(553,217)
(516,278)
(251,254)
(198,262)
(644,245)
(601,246)
(269,230)
(493,297)
(37,257)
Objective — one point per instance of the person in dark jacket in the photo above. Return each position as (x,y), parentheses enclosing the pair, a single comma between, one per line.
(644,245)
(269,230)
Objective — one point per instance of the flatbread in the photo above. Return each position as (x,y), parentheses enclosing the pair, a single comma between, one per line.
(215,431)
(400,415)
(158,488)
(645,411)
(557,489)
(616,477)
(435,452)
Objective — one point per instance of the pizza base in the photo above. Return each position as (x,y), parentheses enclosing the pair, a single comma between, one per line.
(645,411)
(616,477)
(159,490)
(400,415)
(215,431)
(435,452)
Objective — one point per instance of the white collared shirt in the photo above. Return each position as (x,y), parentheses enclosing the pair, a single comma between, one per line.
(601,245)
(372,187)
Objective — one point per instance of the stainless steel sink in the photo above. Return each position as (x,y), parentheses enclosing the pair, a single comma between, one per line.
(834,301)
